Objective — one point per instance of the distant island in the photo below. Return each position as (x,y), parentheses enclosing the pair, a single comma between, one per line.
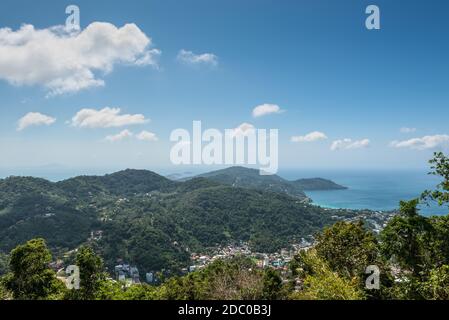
(317,184)
(250,178)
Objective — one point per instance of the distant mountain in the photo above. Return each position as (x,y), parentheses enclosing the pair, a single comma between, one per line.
(154,222)
(179,175)
(126,182)
(250,178)
(317,184)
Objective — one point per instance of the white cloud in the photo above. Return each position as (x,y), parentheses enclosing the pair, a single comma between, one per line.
(426,142)
(67,62)
(120,136)
(407,130)
(243,129)
(265,109)
(347,144)
(105,118)
(310,137)
(188,57)
(147,136)
(34,119)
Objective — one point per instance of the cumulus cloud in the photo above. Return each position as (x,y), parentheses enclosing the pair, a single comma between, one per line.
(426,142)
(147,136)
(407,130)
(265,109)
(65,62)
(347,144)
(105,118)
(120,136)
(34,119)
(310,137)
(188,57)
(243,129)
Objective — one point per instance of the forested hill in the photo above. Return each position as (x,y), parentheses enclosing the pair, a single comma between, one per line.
(126,182)
(317,184)
(143,218)
(250,178)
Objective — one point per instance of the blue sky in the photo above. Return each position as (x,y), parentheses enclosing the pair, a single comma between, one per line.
(315,60)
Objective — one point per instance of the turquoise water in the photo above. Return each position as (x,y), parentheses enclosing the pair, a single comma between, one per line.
(375,190)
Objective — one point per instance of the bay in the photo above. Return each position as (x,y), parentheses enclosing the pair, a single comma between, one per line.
(371,189)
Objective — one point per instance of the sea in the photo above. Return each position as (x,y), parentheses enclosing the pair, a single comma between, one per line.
(371,189)
(379,190)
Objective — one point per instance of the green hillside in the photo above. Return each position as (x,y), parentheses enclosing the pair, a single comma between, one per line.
(250,178)
(151,221)
(312,184)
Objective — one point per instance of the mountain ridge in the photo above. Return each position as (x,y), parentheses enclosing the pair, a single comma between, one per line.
(147,219)
(248,177)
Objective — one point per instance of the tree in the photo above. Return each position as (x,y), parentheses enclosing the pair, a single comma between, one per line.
(233,279)
(91,273)
(3,263)
(348,248)
(319,282)
(418,246)
(4,294)
(440,240)
(437,286)
(407,239)
(110,290)
(141,292)
(272,285)
(440,167)
(30,277)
